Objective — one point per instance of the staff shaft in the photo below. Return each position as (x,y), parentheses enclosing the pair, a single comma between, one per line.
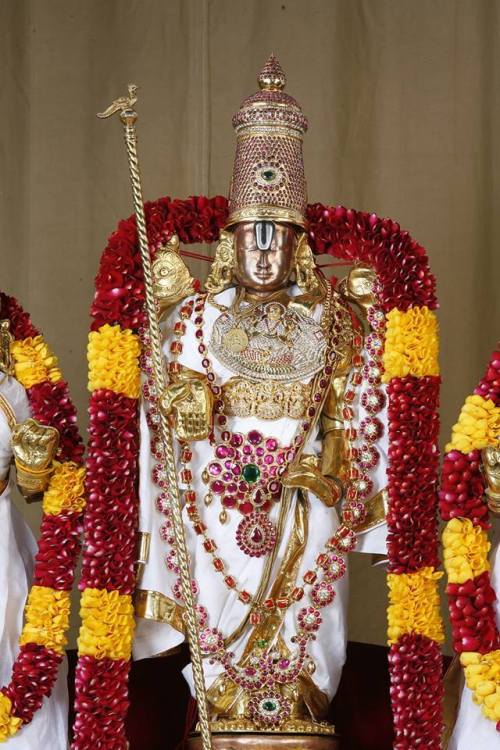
(128,117)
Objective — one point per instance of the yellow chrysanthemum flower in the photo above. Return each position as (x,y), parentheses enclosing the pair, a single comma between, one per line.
(113,356)
(65,492)
(34,362)
(107,624)
(478,425)
(466,550)
(9,724)
(482,675)
(414,605)
(47,618)
(411,344)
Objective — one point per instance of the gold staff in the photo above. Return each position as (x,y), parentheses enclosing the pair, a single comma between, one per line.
(125,106)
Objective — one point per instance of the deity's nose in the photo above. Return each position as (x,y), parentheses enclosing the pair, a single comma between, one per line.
(263,262)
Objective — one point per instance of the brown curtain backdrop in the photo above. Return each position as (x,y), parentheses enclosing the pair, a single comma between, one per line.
(403,100)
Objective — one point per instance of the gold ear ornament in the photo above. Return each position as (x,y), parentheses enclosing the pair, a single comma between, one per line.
(305,266)
(221,271)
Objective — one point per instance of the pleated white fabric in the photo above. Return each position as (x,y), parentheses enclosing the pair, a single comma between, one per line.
(17,550)
(225,610)
(472,729)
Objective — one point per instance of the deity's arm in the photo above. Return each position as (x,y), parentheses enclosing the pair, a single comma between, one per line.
(325,474)
(334,456)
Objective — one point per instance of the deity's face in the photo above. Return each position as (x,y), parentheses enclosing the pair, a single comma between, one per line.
(264,255)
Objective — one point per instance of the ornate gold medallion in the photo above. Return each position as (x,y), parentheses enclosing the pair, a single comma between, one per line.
(236,340)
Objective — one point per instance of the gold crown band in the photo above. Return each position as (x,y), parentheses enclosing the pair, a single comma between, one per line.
(270,213)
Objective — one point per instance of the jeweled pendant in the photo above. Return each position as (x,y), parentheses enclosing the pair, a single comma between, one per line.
(269,708)
(256,535)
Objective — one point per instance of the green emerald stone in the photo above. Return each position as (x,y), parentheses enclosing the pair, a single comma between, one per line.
(269,706)
(262,643)
(251,473)
(268,174)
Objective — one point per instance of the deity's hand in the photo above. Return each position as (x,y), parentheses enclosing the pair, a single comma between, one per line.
(174,393)
(34,446)
(359,286)
(306,473)
(190,401)
(491,468)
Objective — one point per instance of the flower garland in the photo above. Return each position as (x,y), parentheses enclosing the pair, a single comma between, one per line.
(407,298)
(46,613)
(463,506)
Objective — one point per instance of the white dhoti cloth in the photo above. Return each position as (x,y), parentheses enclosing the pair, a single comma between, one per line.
(226,612)
(48,729)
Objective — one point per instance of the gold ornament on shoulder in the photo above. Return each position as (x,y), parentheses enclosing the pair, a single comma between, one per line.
(171,278)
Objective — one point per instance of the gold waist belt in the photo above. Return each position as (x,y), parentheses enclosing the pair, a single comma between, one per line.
(266,400)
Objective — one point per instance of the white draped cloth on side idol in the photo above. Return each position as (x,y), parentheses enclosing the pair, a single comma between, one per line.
(472,729)
(48,729)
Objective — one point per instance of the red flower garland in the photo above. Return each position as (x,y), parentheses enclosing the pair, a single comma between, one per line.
(412,539)
(112,504)
(35,668)
(462,495)
(402,268)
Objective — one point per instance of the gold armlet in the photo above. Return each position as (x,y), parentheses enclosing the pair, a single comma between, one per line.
(32,481)
(493,501)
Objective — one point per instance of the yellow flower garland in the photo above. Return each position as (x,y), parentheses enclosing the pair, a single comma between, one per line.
(466,550)
(9,724)
(107,624)
(65,492)
(113,356)
(414,605)
(482,674)
(411,344)
(47,618)
(478,425)
(34,362)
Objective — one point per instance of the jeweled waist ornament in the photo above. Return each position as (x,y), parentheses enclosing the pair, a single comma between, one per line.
(268,443)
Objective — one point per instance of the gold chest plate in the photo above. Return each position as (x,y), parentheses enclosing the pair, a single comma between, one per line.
(269,341)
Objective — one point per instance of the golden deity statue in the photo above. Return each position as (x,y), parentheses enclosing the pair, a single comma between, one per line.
(265,368)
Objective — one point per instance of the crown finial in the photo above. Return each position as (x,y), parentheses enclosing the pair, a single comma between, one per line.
(272,77)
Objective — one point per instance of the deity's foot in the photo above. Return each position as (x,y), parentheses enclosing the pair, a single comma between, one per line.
(295,734)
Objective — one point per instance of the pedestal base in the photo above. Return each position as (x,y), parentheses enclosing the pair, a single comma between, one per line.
(266,741)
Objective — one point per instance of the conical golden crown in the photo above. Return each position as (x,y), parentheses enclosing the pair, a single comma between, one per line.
(268,176)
